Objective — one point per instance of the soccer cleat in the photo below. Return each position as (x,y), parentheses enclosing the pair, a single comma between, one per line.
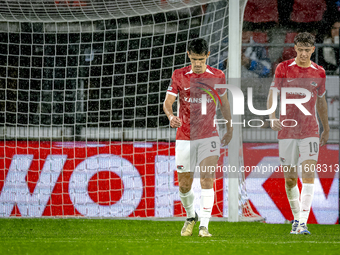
(189,226)
(302,229)
(204,232)
(295,226)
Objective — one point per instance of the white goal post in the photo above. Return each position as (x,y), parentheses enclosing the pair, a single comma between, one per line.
(236,10)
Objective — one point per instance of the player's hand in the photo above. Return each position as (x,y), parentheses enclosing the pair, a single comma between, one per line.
(275,124)
(227,137)
(175,122)
(324,137)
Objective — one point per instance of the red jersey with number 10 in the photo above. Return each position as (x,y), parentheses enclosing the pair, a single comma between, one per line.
(190,87)
(289,74)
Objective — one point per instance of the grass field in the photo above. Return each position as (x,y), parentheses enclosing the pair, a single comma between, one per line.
(105,236)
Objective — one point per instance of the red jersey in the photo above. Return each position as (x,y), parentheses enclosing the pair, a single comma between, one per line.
(190,87)
(312,78)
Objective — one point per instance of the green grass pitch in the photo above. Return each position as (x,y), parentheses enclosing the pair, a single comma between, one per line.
(107,236)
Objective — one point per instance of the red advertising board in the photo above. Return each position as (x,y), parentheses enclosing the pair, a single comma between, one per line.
(102,179)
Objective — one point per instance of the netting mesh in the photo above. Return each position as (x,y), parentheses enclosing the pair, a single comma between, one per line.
(111,73)
(84,10)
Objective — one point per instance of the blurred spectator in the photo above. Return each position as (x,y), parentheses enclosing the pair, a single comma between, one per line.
(255,61)
(329,58)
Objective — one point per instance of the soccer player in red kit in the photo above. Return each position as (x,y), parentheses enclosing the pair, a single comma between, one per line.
(197,140)
(302,137)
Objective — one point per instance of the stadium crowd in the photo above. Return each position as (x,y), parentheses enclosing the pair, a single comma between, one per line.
(277,22)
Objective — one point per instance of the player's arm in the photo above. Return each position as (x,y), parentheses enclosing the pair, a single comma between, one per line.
(274,122)
(175,122)
(321,107)
(225,110)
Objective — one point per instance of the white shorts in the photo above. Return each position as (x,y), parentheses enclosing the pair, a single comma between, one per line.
(189,154)
(290,149)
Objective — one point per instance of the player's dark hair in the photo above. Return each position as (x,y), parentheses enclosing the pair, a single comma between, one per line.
(305,38)
(198,46)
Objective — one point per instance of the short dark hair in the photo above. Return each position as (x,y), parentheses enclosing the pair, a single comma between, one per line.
(198,46)
(305,38)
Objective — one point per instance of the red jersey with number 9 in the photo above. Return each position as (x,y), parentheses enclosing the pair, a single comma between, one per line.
(197,123)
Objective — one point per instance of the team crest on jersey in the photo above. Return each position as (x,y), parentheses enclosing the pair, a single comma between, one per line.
(282,159)
(313,83)
(180,167)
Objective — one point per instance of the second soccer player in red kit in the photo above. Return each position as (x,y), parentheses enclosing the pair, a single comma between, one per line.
(299,137)
(197,139)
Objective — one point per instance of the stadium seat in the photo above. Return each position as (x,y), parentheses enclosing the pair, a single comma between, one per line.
(257,11)
(308,11)
(260,37)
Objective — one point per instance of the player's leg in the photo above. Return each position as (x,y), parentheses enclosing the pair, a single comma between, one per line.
(207,193)
(307,193)
(185,179)
(309,150)
(289,156)
(187,198)
(208,153)
(293,194)
(186,194)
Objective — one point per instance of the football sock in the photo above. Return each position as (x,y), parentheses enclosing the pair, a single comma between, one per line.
(293,195)
(207,203)
(188,203)
(307,193)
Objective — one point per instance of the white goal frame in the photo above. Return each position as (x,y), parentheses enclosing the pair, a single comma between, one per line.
(236,11)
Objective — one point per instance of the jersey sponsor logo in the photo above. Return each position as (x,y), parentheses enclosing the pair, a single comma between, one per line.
(186,88)
(311,154)
(213,150)
(296,93)
(196,100)
(313,83)
(290,80)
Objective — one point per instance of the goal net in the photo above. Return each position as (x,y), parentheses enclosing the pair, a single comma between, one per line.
(81,91)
